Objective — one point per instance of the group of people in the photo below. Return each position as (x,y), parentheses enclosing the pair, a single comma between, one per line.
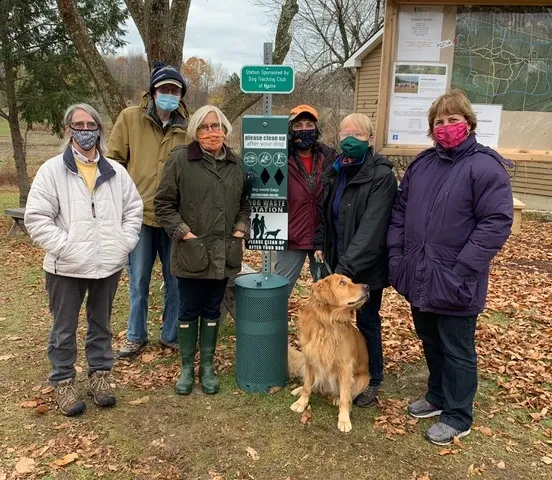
(168,185)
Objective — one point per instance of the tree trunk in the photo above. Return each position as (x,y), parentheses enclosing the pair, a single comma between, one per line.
(162,27)
(238,102)
(18,145)
(105,84)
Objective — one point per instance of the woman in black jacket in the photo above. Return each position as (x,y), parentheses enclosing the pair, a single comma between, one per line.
(359,190)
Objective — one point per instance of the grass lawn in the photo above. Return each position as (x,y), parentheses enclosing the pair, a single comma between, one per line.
(153,433)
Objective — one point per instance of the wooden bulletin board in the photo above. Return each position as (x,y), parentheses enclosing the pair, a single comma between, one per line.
(498,51)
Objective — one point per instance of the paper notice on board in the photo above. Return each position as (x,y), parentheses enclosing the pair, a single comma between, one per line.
(420,30)
(414,88)
(488,123)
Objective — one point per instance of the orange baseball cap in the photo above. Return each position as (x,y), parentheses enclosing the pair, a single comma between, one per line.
(299,109)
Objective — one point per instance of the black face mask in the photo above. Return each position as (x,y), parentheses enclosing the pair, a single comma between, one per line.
(303,139)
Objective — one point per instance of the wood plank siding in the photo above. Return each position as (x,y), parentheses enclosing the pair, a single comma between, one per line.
(532,178)
(366,100)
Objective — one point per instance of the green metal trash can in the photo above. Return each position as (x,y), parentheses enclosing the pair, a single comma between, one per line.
(261,331)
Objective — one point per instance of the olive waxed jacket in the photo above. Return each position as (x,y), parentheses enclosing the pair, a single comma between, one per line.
(204,196)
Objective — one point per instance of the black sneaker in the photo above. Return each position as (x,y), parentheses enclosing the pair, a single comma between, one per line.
(423,409)
(368,397)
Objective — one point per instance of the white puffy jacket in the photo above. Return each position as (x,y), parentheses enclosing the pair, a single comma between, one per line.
(85,235)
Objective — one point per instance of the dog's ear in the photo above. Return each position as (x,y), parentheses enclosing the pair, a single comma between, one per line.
(323,292)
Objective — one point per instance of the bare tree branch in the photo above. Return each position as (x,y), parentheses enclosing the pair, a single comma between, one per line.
(238,102)
(137,11)
(4,115)
(76,28)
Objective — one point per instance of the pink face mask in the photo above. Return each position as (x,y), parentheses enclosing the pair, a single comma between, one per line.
(451,135)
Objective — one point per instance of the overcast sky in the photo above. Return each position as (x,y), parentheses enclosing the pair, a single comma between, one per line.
(230,32)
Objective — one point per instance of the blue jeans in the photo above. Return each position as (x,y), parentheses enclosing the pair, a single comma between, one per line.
(369,324)
(153,241)
(449,348)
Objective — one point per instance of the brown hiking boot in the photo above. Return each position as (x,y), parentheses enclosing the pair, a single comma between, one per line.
(99,388)
(68,399)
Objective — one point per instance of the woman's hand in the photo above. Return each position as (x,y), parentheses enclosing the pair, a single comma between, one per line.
(188,236)
(238,234)
(319,256)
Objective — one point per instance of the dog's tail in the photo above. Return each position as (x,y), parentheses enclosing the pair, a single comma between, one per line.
(296,363)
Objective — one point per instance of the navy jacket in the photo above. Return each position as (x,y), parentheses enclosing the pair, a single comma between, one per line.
(364,214)
(453,213)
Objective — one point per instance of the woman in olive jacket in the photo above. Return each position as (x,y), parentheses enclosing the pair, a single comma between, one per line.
(201,204)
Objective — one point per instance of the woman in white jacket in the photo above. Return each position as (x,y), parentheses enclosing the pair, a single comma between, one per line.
(86,213)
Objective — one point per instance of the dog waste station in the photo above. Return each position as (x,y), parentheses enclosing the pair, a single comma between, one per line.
(262,298)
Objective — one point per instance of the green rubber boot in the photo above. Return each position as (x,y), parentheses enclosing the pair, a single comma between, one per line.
(187,341)
(207,342)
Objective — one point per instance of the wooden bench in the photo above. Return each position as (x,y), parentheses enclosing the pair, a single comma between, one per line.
(518,210)
(17,214)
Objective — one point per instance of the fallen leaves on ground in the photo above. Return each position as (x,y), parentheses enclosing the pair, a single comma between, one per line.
(139,401)
(473,470)
(252,453)
(25,465)
(484,430)
(394,420)
(66,460)
(306,416)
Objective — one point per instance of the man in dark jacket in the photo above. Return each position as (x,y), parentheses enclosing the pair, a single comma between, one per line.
(308,158)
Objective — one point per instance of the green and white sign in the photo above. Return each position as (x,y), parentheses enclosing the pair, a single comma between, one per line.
(265,164)
(267,79)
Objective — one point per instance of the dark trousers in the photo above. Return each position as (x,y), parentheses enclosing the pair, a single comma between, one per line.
(66,295)
(369,323)
(449,348)
(200,297)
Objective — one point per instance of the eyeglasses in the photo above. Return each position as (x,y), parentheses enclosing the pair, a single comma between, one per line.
(358,135)
(216,127)
(84,126)
(169,89)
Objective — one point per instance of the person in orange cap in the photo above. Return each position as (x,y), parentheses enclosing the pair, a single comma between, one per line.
(308,158)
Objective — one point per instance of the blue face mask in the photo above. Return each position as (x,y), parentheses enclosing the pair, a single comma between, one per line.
(167,102)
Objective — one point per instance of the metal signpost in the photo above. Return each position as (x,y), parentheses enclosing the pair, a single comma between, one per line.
(265,157)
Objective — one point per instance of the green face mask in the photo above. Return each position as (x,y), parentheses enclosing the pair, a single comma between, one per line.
(353,147)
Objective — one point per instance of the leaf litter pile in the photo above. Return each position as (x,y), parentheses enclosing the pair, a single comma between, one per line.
(514,346)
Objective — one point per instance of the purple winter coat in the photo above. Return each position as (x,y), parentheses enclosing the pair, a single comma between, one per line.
(452,214)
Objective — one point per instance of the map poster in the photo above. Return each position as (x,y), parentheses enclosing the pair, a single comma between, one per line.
(414,88)
(488,124)
(269,225)
(420,29)
(503,56)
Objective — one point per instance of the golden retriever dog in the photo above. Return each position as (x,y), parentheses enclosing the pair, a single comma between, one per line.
(334,357)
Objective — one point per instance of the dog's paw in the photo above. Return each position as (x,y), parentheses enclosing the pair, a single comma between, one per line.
(344,425)
(299,406)
(297,391)
(344,422)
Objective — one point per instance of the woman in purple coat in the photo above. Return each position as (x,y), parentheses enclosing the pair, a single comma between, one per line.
(452,214)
